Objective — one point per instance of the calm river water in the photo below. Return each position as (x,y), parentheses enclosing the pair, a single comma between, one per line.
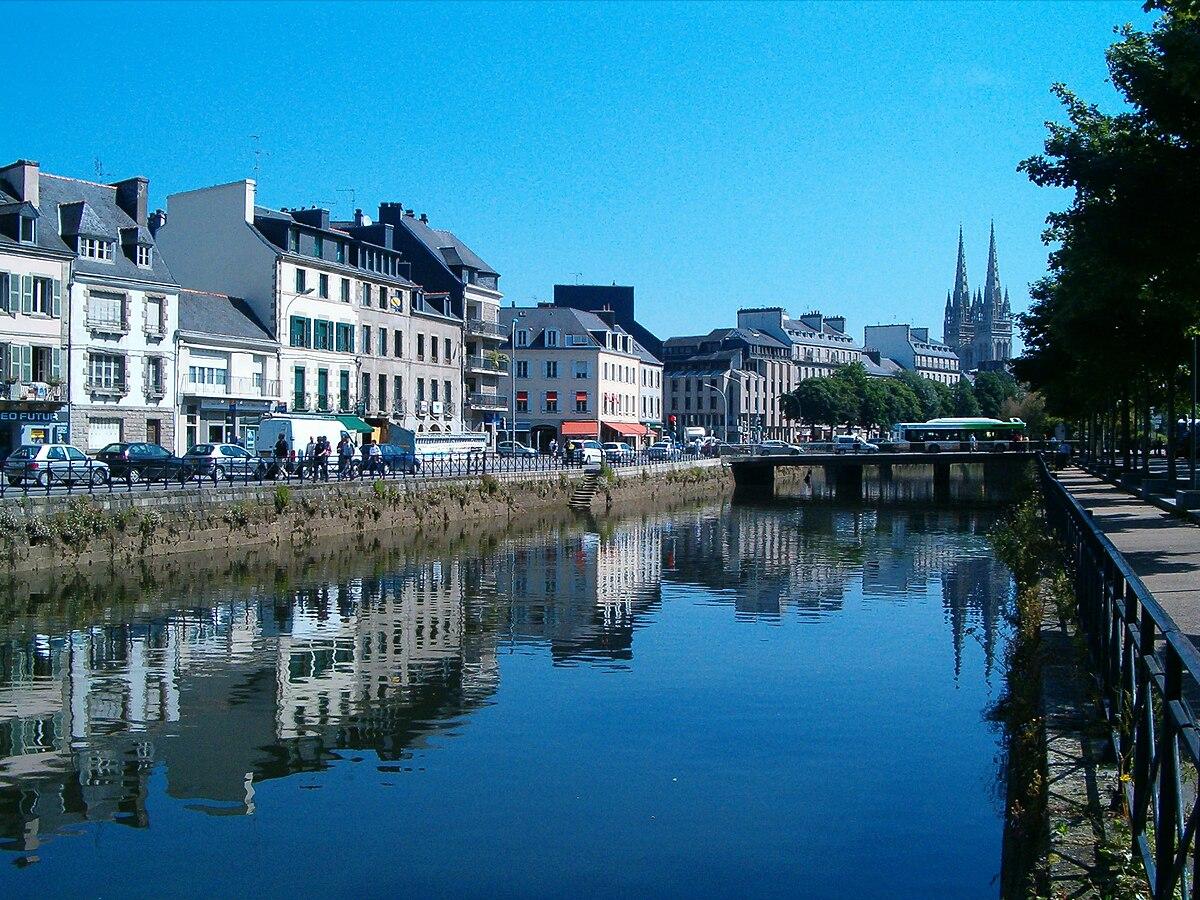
(749,700)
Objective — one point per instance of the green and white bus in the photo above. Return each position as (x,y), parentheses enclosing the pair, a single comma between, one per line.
(955,434)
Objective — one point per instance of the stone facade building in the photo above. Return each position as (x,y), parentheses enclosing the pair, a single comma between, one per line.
(729,382)
(819,343)
(979,328)
(913,349)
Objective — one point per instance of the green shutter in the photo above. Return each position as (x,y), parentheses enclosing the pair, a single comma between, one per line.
(56,362)
(5,280)
(14,361)
(14,293)
(27,294)
(26,363)
(56,299)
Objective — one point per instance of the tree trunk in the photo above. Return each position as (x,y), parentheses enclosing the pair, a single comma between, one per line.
(1172,471)
(1126,448)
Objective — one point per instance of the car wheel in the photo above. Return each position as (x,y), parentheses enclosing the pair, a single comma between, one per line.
(218,474)
(134,476)
(43,479)
(260,471)
(14,480)
(98,476)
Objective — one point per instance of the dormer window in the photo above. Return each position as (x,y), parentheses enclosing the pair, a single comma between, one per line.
(27,226)
(551,337)
(96,248)
(144,256)
(294,240)
(340,252)
(318,246)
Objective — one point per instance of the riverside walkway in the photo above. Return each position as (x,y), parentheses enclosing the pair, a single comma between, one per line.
(1161,548)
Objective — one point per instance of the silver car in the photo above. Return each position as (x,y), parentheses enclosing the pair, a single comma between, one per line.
(221,461)
(47,464)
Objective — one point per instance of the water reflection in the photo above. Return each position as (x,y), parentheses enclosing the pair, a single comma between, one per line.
(391,653)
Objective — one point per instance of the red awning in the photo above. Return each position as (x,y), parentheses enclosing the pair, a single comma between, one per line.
(628,429)
(578,429)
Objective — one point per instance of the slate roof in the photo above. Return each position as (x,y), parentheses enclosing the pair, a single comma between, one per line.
(219,315)
(91,210)
(885,368)
(568,320)
(720,335)
(447,245)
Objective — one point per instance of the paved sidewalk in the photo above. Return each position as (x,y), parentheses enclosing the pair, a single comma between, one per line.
(1161,548)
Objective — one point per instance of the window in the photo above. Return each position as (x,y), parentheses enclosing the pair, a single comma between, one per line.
(551,370)
(106,372)
(433,390)
(318,246)
(383,384)
(299,399)
(32,295)
(366,340)
(344,337)
(156,319)
(106,311)
(96,248)
(522,401)
(28,232)
(365,399)
(551,401)
(366,294)
(345,288)
(323,286)
(580,368)
(294,240)
(581,401)
(420,390)
(446,395)
(448,347)
(433,349)
(344,389)
(420,346)
(144,256)
(522,338)
(154,370)
(383,349)
(522,368)
(322,335)
(397,392)
(551,337)
(383,295)
(398,344)
(301,281)
(301,332)
(323,390)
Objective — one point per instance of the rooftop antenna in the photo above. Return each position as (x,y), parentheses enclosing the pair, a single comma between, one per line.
(98,165)
(578,275)
(353,192)
(259,153)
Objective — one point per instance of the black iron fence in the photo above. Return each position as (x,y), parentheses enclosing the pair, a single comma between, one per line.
(1147,672)
(89,477)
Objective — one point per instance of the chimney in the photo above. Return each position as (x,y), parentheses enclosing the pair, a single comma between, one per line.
(424,219)
(837,323)
(409,213)
(157,221)
(391,212)
(358,217)
(921,334)
(22,177)
(133,196)
(607,316)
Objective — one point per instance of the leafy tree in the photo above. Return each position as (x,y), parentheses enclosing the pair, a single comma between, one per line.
(965,403)
(992,389)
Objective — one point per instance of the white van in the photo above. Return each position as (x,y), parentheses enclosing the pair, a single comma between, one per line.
(297,430)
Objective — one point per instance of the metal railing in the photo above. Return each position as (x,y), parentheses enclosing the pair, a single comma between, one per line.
(484,363)
(481,400)
(238,384)
(93,478)
(486,329)
(34,391)
(1147,668)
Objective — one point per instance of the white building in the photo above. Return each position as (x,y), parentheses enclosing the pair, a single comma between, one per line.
(819,343)
(34,268)
(915,350)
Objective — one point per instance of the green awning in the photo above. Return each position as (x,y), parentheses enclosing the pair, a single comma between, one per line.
(354,423)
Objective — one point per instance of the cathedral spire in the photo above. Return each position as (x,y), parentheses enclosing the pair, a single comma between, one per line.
(993,298)
(962,293)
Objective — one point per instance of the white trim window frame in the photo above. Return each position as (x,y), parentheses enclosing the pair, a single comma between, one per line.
(98,249)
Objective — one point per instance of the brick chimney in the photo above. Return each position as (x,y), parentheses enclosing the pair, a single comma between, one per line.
(22,178)
(133,196)
(157,220)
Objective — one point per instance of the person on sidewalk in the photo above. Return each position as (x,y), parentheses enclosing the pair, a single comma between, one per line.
(281,455)
(322,462)
(345,451)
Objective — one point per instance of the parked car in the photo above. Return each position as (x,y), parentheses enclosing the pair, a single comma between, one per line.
(136,462)
(392,457)
(221,461)
(588,453)
(847,443)
(778,448)
(47,464)
(662,450)
(515,449)
(618,452)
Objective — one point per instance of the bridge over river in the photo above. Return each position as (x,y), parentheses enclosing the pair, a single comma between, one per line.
(845,470)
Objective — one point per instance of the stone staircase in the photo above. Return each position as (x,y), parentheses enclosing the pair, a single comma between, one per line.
(581,497)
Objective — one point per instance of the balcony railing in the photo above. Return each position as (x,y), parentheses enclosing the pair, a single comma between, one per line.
(107,326)
(108,387)
(34,392)
(480,400)
(241,386)
(488,364)
(481,328)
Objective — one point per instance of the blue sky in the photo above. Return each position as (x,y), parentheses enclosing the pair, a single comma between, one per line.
(714,156)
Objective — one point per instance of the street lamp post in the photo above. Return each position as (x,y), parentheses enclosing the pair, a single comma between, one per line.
(512,378)
(725,414)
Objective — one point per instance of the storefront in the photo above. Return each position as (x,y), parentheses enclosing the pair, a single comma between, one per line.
(224,422)
(32,426)
(632,433)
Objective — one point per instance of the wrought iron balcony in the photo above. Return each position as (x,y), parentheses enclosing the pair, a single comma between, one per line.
(237,386)
(488,364)
(480,400)
(481,328)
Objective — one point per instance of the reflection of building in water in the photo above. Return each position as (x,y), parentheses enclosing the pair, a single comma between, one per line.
(231,695)
(585,595)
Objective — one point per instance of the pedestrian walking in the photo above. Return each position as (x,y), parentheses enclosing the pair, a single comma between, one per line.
(281,455)
(310,453)
(345,452)
(973,442)
(376,457)
(322,459)
(553,446)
